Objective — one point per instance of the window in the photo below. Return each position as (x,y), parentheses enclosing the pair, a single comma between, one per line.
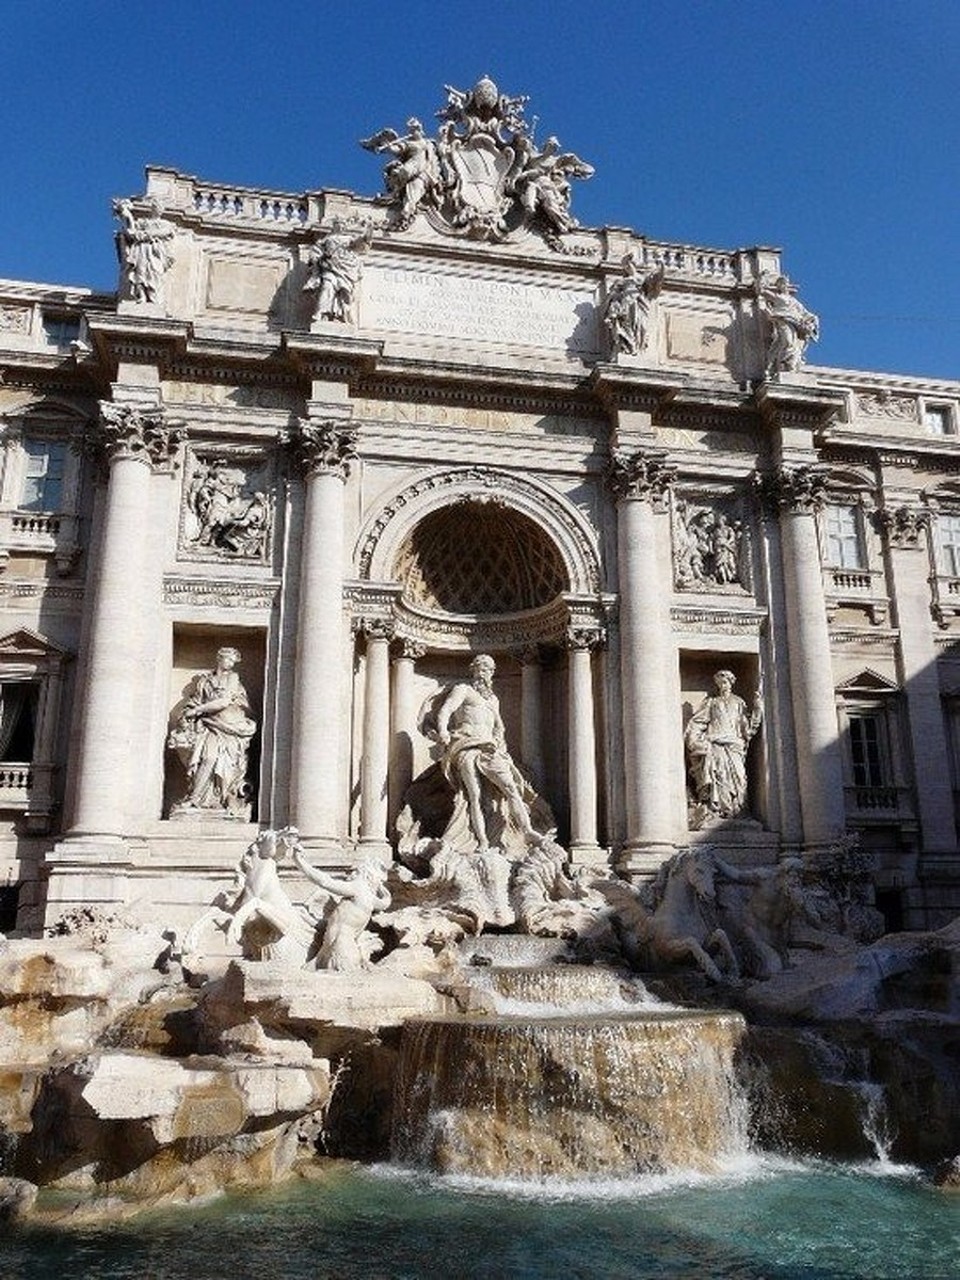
(43,474)
(60,331)
(949,530)
(844,544)
(865,752)
(938,419)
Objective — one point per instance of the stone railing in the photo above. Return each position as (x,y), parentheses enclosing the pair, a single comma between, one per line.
(40,533)
(27,789)
(713,264)
(270,206)
(880,801)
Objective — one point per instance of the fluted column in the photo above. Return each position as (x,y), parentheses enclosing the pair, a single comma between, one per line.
(375,759)
(133,439)
(582,745)
(798,492)
(316,793)
(640,482)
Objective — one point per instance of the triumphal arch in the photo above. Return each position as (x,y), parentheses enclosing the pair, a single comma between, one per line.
(263,507)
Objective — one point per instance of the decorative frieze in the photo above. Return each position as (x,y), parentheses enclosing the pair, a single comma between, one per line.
(220,593)
(588,638)
(644,476)
(711,545)
(885,404)
(706,621)
(15,319)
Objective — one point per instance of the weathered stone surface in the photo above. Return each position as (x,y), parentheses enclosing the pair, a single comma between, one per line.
(17,1197)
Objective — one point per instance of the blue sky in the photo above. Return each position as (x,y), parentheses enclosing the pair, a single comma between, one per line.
(829,129)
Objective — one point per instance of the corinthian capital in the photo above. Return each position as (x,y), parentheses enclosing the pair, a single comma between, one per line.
(135,431)
(799,489)
(903,525)
(326,446)
(643,475)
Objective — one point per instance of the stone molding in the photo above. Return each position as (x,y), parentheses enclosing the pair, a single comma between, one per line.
(220,593)
(589,638)
(374,628)
(644,476)
(325,447)
(705,620)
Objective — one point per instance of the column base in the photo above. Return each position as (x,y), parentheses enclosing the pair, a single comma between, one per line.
(86,871)
(380,850)
(589,855)
(644,858)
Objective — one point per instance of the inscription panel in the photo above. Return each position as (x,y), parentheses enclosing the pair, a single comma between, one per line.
(477,308)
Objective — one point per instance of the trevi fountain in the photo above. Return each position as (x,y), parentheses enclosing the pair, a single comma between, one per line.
(463,875)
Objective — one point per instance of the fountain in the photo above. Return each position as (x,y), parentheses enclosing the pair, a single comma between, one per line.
(570,1077)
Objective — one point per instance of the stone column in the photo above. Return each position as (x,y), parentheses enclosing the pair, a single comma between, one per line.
(531,715)
(647,659)
(798,493)
(582,746)
(119,653)
(376,736)
(403,715)
(906,528)
(316,794)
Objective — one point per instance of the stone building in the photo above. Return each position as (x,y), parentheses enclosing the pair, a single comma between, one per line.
(319,449)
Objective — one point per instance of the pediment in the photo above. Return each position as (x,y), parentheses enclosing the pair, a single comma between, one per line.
(26,644)
(867,681)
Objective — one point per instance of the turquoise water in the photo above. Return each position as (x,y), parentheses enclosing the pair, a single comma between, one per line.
(766,1219)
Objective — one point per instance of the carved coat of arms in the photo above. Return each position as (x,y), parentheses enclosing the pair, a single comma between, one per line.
(482,175)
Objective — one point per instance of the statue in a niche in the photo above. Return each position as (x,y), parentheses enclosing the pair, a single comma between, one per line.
(628,311)
(794,327)
(143,247)
(336,265)
(716,739)
(475,758)
(212,735)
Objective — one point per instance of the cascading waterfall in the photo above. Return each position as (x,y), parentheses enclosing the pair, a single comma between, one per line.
(609,1092)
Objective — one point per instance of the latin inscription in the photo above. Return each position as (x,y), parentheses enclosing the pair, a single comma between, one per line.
(480,309)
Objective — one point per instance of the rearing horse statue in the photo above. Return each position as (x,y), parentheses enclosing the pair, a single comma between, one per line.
(684,918)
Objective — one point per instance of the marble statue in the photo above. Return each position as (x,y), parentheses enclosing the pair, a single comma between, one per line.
(355,898)
(483,176)
(716,739)
(228,517)
(683,920)
(794,327)
(336,265)
(475,759)
(258,912)
(628,309)
(553,900)
(413,177)
(468,890)
(143,247)
(212,735)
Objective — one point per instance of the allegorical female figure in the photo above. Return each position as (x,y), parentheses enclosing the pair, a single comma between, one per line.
(216,731)
(716,739)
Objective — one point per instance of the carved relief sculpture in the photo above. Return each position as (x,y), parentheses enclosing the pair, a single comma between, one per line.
(716,740)
(212,736)
(629,309)
(143,247)
(227,511)
(794,327)
(710,549)
(336,265)
(483,176)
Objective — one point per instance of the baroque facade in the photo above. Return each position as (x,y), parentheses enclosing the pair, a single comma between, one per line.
(264,502)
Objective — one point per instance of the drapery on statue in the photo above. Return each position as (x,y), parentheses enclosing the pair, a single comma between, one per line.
(793,325)
(716,739)
(628,309)
(413,177)
(212,734)
(475,759)
(143,247)
(336,266)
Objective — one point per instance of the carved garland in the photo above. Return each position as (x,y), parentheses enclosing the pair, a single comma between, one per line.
(644,475)
(903,525)
(801,489)
(326,447)
(134,431)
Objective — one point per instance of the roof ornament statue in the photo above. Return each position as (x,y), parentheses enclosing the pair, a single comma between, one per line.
(793,327)
(483,176)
